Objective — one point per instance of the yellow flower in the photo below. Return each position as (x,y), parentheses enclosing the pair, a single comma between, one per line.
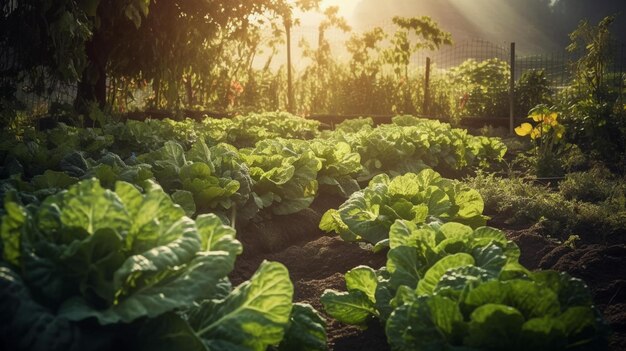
(524,129)
(536,133)
(551,119)
(536,116)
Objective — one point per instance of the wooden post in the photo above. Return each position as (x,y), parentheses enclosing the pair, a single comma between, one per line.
(426,105)
(512,92)
(290,97)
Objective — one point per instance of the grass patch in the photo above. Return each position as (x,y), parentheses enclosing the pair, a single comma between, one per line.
(595,212)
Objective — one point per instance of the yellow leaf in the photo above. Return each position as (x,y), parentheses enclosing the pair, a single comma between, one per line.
(524,129)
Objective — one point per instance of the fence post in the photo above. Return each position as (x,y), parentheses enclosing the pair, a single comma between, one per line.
(512,91)
(426,105)
(290,98)
(622,111)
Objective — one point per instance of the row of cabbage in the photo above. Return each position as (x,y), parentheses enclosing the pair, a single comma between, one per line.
(450,282)
(206,167)
(98,253)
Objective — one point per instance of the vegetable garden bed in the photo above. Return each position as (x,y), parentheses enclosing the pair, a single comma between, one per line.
(127,225)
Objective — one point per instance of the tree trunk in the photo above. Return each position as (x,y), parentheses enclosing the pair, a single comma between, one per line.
(156,88)
(92,86)
(189,91)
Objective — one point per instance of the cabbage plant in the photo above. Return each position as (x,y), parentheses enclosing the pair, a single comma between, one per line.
(421,198)
(96,269)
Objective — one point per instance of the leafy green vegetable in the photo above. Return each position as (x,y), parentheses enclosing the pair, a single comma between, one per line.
(424,259)
(353,307)
(252,316)
(135,262)
(117,256)
(306,330)
(434,325)
(285,174)
(216,177)
(513,315)
(340,166)
(31,326)
(255,127)
(425,197)
(412,144)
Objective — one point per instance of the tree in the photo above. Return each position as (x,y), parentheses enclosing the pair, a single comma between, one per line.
(322,70)
(45,37)
(182,39)
(364,67)
(595,120)
(428,36)
(161,41)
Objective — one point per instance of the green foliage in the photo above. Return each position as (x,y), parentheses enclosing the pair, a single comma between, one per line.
(97,237)
(353,125)
(323,70)
(216,177)
(192,159)
(51,39)
(532,89)
(340,167)
(484,87)
(593,109)
(263,301)
(410,144)
(363,84)
(306,330)
(252,128)
(594,42)
(13,116)
(448,286)
(532,313)
(596,185)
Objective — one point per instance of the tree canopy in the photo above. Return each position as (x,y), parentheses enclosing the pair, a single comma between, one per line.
(87,40)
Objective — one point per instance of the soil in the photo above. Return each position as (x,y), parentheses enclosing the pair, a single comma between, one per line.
(317,262)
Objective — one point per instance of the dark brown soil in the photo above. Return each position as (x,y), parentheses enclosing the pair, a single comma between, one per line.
(317,262)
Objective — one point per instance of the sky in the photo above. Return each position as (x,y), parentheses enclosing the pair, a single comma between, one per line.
(534,28)
(495,20)
(346,10)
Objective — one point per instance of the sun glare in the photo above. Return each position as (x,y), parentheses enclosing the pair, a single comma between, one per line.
(346,9)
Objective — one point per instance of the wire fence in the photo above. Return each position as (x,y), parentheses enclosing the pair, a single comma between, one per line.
(32,89)
(478,74)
